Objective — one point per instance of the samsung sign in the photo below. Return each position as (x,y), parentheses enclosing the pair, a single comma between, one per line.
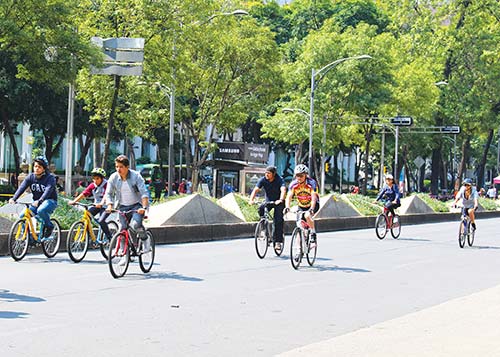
(242,152)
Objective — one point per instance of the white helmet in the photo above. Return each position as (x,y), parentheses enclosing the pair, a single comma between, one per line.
(389,177)
(301,169)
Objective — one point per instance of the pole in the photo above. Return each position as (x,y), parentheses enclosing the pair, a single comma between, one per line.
(498,154)
(396,148)
(69,140)
(341,170)
(180,150)
(323,158)
(311,122)
(382,159)
(171,158)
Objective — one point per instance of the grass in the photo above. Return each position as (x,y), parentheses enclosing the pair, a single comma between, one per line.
(364,204)
(249,211)
(435,204)
(488,204)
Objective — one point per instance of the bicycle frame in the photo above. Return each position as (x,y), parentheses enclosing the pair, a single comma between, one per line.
(125,232)
(28,217)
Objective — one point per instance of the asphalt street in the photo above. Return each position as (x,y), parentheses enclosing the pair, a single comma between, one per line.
(219,299)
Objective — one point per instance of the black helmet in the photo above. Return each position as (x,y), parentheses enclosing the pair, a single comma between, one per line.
(42,160)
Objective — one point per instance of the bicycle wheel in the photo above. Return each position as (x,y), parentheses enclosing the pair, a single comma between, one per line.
(18,240)
(381,226)
(462,233)
(396,227)
(77,242)
(147,252)
(50,245)
(104,247)
(261,239)
(470,236)
(311,250)
(296,251)
(118,256)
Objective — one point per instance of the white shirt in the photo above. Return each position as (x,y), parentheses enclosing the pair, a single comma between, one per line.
(492,192)
(128,198)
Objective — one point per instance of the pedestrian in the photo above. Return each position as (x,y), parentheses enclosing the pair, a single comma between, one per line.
(492,192)
(189,186)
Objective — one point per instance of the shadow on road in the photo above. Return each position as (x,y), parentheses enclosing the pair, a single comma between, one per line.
(7,296)
(484,247)
(342,269)
(162,276)
(415,239)
(13,315)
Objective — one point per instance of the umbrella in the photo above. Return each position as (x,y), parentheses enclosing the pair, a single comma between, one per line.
(496,180)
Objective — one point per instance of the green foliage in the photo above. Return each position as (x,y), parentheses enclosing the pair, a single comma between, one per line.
(364,204)
(250,212)
(488,204)
(66,214)
(435,204)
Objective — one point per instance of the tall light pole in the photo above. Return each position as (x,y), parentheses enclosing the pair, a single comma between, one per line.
(323,71)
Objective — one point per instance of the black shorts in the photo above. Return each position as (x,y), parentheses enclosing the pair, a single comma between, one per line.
(304,209)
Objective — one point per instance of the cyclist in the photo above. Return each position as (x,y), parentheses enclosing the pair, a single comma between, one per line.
(469,196)
(96,189)
(275,188)
(43,187)
(305,189)
(126,191)
(390,194)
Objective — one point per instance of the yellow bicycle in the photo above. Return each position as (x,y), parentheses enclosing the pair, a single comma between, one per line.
(23,234)
(77,242)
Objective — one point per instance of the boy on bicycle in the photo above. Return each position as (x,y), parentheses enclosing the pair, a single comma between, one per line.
(43,187)
(97,189)
(390,194)
(305,189)
(275,189)
(126,188)
(469,196)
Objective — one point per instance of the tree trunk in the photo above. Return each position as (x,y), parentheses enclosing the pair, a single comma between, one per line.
(84,148)
(111,122)
(463,163)
(421,178)
(12,137)
(367,153)
(435,169)
(482,163)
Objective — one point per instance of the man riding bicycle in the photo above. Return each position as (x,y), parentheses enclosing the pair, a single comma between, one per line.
(97,189)
(126,191)
(275,189)
(390,194)
(43,187)
(469,196)
(305,190)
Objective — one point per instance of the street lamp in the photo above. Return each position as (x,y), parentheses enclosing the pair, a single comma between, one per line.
(323,71)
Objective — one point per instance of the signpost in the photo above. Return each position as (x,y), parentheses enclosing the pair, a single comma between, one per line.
(122,56)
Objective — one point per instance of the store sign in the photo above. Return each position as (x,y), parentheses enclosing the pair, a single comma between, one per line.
(242,152)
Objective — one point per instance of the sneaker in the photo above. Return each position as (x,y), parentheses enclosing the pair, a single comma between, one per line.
(123,261)
(146,246)
(313,238)
(278,246)
(474,226)
(47,231)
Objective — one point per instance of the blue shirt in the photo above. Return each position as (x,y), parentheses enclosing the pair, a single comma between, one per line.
(391,193)
(42,188)
(273,189)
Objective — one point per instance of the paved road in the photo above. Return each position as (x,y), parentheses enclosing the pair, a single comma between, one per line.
(219,299)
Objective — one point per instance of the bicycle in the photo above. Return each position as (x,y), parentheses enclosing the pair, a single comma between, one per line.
(122,247)
(264,234)
(23,234)
(466,231)
(385,222)
(301,242)
(77,241)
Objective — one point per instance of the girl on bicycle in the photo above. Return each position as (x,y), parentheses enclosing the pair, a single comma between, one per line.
(390,194)
(43,187)
(469,196)
(305,190)
(97,189)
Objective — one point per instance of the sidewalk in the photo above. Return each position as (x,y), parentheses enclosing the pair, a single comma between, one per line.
(466,326)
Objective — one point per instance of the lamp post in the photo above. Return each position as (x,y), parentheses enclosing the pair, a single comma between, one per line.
(323,71)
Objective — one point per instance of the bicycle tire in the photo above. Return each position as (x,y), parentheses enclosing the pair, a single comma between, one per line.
(311,252)
(18,240)
(146,260)
(118,256)
(77,242)
(461,234)
(104,247)
(380,226)
(396,226)
(51,247)
(470,236)
(261,239)
(296,251)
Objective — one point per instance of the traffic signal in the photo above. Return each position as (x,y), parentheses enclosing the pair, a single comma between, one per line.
(385,170)
(327,166)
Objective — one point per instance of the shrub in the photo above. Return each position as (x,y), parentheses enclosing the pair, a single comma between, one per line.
(250,212)
(488,204)
(435,204)
(363,204)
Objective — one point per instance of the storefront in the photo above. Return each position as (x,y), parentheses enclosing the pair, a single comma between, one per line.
(238,166)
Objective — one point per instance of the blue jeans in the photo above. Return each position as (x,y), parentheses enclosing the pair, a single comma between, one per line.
(43,211)
(135,221)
